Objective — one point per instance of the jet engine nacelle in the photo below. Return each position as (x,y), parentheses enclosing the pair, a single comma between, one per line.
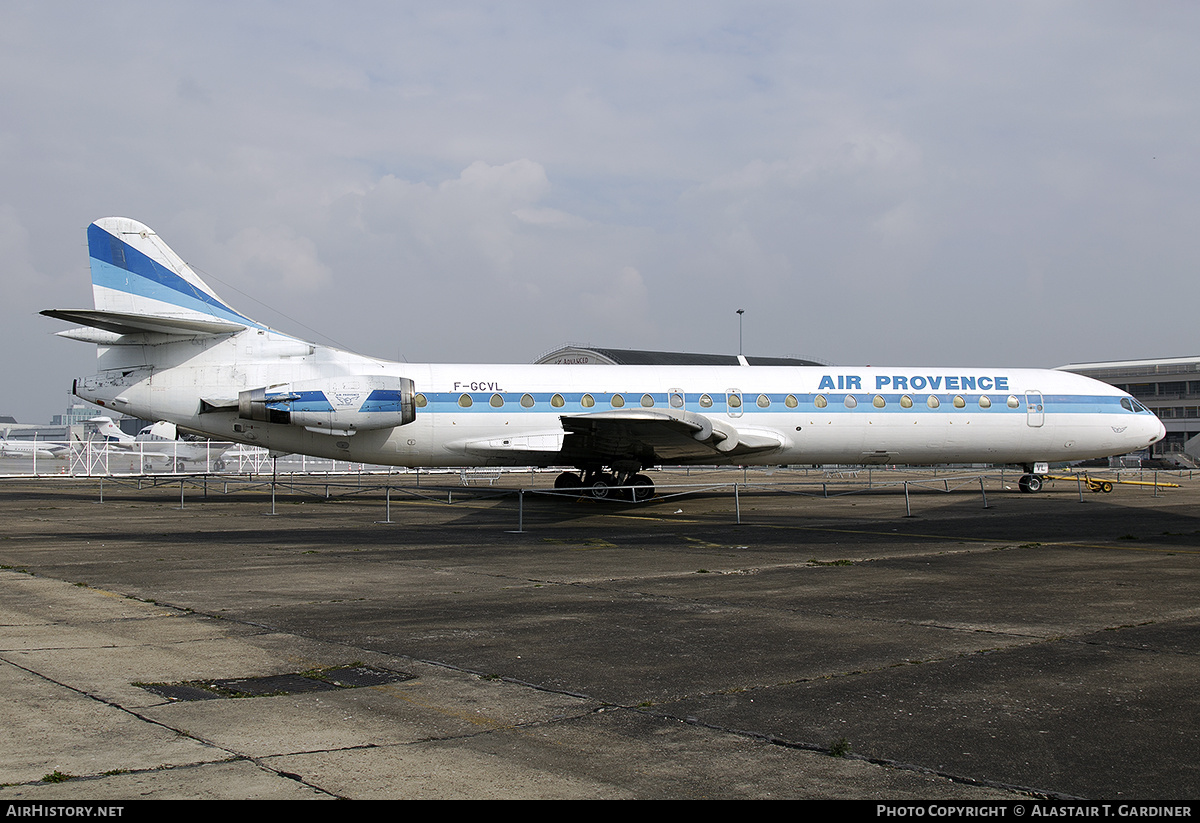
(339,405)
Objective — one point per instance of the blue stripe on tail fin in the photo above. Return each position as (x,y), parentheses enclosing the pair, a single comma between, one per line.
(134,271)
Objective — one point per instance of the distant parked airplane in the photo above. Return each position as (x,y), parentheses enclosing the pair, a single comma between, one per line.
(31,448)
(160,441)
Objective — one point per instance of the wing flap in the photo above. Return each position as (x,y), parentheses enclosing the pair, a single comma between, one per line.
(655,436)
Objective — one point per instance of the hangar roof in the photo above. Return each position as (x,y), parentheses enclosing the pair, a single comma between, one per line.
(596,355)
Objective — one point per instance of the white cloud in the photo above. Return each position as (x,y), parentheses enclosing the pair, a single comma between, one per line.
(276,257)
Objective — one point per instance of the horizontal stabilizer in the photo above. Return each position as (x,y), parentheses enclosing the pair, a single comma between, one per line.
(124,323)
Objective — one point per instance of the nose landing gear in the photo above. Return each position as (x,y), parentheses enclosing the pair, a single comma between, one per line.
(1030,483)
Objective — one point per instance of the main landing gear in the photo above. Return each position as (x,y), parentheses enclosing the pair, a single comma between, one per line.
(602,485)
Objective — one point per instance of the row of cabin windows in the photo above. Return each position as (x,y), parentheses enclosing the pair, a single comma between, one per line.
(734,401)
(906,402)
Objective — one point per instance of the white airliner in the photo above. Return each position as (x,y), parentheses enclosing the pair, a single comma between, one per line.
(31,448)
(171,349)
(160,441)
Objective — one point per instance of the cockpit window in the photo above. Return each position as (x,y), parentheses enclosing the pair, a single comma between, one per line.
(1126,404)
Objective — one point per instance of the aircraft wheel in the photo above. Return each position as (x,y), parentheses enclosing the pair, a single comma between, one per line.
(179,466)
(218,465)
(1030,483)
(643,488)
(568,480)
(601,486)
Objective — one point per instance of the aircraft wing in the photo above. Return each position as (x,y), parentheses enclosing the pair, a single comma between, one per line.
(650,436)
(657,436)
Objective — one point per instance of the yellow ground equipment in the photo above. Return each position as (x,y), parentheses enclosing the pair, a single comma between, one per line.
(1104,484)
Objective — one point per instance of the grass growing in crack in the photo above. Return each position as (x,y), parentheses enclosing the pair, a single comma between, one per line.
(839,747)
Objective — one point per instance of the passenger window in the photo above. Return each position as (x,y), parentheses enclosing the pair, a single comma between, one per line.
(879,402)
(527,401)
(465,401)
(932,402)
(820,402)
(1013,402)
(734,401)
(497,401)
(985,402)
(705,401)
(557,401)
(763,401)
(790,401)
(677,401)
(906,402)
(421,401)
(647,400)
(851,403)
(617,401)
(959,402)
(587,401)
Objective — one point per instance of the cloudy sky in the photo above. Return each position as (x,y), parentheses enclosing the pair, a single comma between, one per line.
(933,183)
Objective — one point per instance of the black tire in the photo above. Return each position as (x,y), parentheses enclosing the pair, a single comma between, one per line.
(642,488)
(568,480)
(601,486)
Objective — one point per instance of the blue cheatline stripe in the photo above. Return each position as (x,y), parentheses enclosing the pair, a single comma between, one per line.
(305,401)
(117,265)
(383,400)
(443,402)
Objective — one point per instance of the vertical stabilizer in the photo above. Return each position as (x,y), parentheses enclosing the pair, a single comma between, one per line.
(135,272)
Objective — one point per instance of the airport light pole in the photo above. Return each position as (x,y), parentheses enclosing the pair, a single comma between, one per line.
(740,312)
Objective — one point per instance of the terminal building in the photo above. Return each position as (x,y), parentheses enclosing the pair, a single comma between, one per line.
(1170,388)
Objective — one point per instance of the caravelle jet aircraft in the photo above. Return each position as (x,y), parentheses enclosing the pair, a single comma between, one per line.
(171,349)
